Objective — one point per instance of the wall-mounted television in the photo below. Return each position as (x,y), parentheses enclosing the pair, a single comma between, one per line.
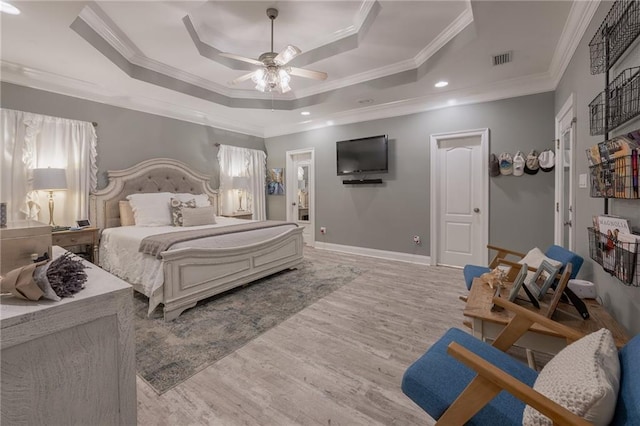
(364,155)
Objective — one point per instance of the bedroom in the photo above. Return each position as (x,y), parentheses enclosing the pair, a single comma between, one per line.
(520,208)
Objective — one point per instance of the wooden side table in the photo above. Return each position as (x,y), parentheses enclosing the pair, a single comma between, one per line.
(487,324)
(87,237)
(239,215)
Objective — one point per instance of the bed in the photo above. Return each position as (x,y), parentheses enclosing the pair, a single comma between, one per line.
(189,273)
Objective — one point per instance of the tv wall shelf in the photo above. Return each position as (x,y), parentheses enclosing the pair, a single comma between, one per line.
(361,181)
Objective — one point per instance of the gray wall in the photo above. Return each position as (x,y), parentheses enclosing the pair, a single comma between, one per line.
(126,137)
(622,301)
(386,216)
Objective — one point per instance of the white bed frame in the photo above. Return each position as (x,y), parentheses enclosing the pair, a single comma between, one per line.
(193,274)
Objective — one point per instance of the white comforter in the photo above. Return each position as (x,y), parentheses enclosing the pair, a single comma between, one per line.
(120,256)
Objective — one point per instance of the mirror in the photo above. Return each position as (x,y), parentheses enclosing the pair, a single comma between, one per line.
(303,193)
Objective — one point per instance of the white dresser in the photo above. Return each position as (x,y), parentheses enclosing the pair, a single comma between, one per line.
(70,362)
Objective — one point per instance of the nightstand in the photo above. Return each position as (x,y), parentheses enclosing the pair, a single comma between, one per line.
(239,215)
(86,237)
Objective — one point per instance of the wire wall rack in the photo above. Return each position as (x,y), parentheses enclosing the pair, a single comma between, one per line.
(623,102)
(616,256)
(616,33)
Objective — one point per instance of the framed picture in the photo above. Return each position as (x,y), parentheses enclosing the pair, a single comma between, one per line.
(543,278)
(83,223)
(517,283)
(557,294)
(275,181)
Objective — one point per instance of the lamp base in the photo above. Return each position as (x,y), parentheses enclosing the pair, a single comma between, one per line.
(51,222)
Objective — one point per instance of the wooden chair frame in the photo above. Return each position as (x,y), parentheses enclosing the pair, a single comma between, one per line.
(490,380)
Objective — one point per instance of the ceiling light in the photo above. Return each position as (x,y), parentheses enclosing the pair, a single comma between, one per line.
(442,84)
(305,113)
(330,123)
(9,8)
(452,102)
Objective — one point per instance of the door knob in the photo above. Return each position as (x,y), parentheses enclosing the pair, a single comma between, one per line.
(293,204)
(476,210)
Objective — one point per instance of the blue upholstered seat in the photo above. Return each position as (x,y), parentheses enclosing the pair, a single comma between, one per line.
(554,252)
(436,379)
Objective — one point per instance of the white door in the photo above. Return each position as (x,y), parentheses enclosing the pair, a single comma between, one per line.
(300,192)
(459,196)
(564,175)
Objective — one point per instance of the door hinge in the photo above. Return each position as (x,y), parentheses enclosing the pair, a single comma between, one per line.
(558,207)
(557,143)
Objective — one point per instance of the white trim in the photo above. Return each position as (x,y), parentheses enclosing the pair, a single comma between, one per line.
(380,254)
(435,180)
(575,26)
(558,228)
(290,184)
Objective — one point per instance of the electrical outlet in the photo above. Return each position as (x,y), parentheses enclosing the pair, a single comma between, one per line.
(416,239)
(323,229)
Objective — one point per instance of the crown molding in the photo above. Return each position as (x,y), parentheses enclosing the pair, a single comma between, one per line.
(55,83)
(452,30)
(580,16)
(521,86)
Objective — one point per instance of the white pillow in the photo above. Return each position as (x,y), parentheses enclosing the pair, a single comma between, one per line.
(151,209)
(534,258)
(198,216)
(584,378)
(202,200)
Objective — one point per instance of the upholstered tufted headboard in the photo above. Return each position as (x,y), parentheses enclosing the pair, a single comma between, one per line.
(156,175)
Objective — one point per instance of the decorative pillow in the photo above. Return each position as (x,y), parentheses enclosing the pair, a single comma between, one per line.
(199,216)
(151,209)
(177,207)
(584,378)
(534,258)
(202,200)
(126,214)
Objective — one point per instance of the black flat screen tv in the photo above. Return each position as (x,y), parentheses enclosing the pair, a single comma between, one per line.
(364,155)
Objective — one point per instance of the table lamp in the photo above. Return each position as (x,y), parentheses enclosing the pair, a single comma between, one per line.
(240,183)
(50,179)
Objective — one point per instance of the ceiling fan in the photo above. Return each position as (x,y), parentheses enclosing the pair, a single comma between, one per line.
(273,74)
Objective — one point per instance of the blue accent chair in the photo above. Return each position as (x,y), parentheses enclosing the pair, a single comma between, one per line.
(554,252)
(462,380)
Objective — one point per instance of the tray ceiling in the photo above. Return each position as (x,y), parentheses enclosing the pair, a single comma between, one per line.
(382,57)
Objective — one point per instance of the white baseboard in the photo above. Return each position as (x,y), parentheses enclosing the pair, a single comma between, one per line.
(383,254)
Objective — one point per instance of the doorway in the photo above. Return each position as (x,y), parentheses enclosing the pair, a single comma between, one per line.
(564,176)
(459,198)
(300,191)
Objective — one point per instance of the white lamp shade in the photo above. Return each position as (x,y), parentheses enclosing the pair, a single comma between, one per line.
(49,179)
(240,182)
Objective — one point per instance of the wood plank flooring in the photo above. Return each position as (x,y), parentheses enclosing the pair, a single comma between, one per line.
(338,362)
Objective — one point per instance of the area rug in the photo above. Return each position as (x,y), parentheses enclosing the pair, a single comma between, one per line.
(168,353)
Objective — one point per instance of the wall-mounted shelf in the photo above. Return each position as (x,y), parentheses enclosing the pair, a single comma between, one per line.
(616,33)
(620,259)
(623,102)
(361,181)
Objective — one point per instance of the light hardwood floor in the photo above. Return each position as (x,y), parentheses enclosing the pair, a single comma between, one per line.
(338,362)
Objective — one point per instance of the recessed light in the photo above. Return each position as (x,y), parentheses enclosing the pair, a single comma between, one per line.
(9,8)
(452,102)
(305,113)
(442,84)
(330,123)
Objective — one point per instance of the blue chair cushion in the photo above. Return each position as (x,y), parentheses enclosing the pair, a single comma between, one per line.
(565,256)
(628,405)
(436,379)
(472,271)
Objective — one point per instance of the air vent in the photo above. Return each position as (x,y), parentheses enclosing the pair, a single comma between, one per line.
(502,58)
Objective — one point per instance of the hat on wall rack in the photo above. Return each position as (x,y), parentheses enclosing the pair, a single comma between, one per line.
(547,160)
(518,164)
(506,164)
(531,165)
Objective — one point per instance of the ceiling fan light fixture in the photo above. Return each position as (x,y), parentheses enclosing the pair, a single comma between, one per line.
(287,54)
(441,83)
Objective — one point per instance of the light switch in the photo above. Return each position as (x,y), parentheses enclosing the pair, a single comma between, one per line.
(583,180)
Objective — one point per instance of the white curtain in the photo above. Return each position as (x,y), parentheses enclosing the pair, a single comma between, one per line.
(32,141)
(243,163)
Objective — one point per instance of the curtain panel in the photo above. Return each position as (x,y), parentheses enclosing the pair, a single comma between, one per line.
(242,169)
(32,141)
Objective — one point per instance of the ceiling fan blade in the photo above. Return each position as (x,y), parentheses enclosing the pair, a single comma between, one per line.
(243,78)
(316,75)
(287,54)
(241,58)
